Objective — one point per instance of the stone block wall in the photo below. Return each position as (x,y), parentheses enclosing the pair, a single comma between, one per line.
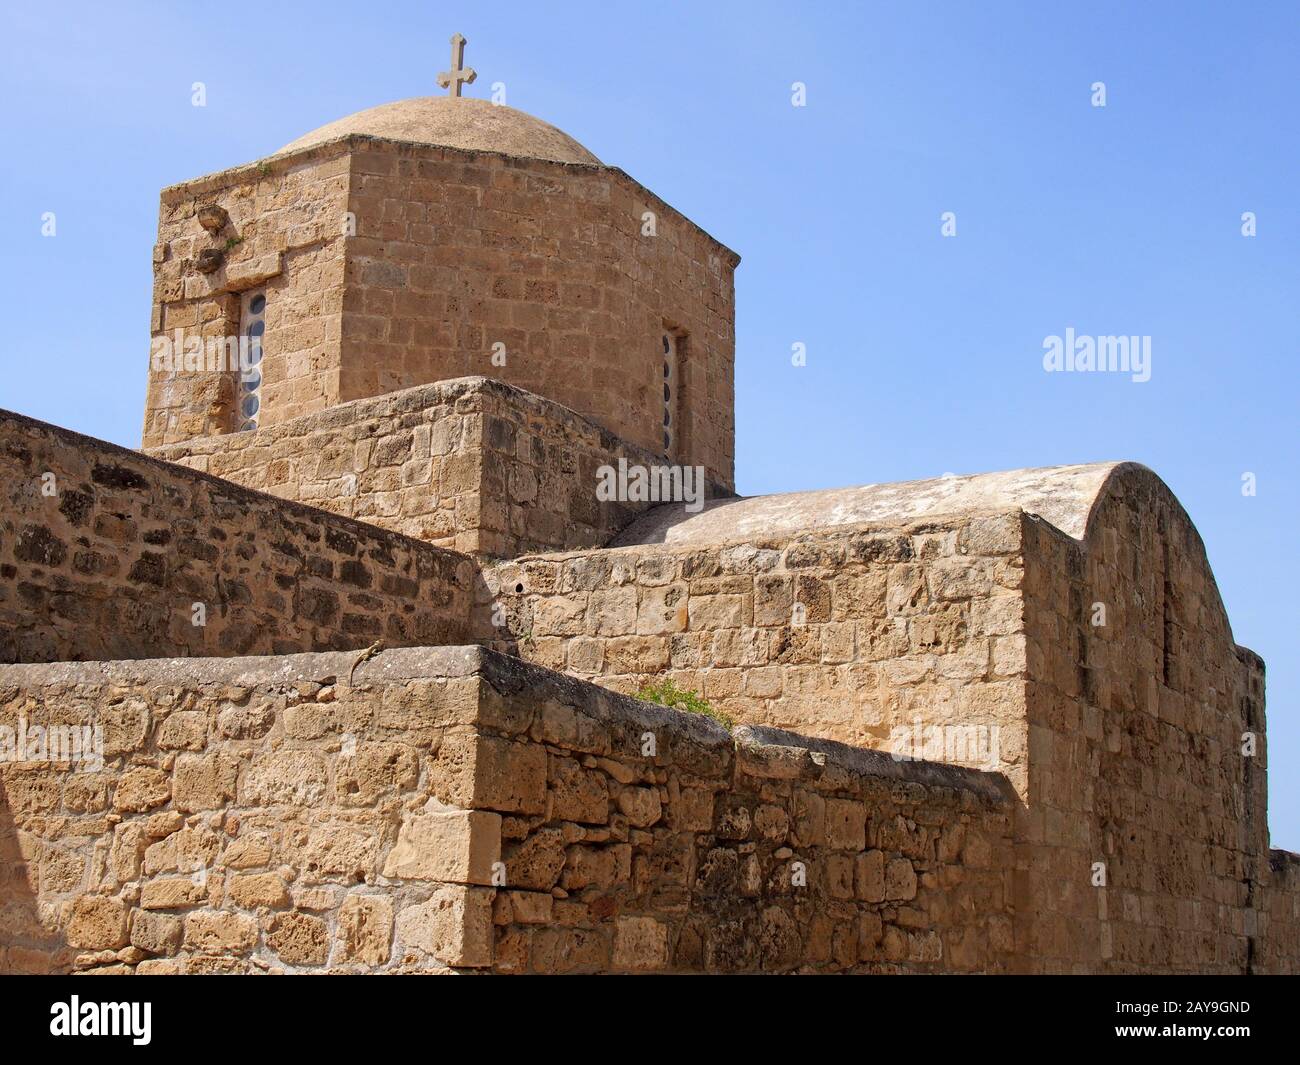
(1277,946)
(457,251)
(454,809)
(847,634)
(471,464)
(285,229)
(544,824)
(1139,706)
(251,815)
(107,554)
(1123,740)
(637,839)
(391,265)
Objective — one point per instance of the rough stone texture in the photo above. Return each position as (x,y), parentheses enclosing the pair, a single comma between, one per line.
(1278,941)
(1136,734)
(390,264)
(531,834)
(849,633)
(273,852)
(1123,739)
(111,564)
(474,464)
(1121,742)
(285,233)
(552,263)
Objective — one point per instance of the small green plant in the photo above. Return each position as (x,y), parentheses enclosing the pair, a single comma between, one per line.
(264,169)
(233,242)
(666,693)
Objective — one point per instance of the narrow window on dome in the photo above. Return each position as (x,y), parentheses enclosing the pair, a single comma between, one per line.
(252,328)
(670,390)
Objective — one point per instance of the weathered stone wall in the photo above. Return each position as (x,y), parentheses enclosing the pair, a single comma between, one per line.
(285,232)
(112,563)
(472,464)
(251,815)
(638,839)
(458,251)
(392,265)
(455,809)
(847,634)
(1277,946)
(518,821)
(1122,739)
(1137,718)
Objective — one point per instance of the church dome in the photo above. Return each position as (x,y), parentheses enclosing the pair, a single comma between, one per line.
(455,122)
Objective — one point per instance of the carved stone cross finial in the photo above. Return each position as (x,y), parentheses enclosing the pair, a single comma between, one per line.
(459,75)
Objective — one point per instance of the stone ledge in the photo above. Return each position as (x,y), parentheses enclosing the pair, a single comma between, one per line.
(1285,862)
(762,743)
(401,663)
(406,401)
(511,676)
(777,539)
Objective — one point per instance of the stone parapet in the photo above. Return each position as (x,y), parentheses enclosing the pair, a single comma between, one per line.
(454,809)
(107,554)
(471,464)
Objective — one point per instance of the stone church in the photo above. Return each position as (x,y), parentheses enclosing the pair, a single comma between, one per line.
(339,672)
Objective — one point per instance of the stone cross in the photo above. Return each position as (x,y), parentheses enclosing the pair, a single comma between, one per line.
(452,79)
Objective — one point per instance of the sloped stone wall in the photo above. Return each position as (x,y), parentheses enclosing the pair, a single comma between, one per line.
(106,554)
(637,839)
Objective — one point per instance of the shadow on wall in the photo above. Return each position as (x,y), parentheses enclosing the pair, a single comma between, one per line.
(27,945)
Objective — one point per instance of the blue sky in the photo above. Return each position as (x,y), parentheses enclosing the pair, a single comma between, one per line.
(924,353)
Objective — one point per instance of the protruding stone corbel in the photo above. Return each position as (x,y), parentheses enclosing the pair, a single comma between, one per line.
(213,218)
(209,260)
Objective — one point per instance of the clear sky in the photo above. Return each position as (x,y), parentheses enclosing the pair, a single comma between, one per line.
(924,352)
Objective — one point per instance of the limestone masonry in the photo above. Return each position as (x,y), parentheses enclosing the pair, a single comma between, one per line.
(339,673)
